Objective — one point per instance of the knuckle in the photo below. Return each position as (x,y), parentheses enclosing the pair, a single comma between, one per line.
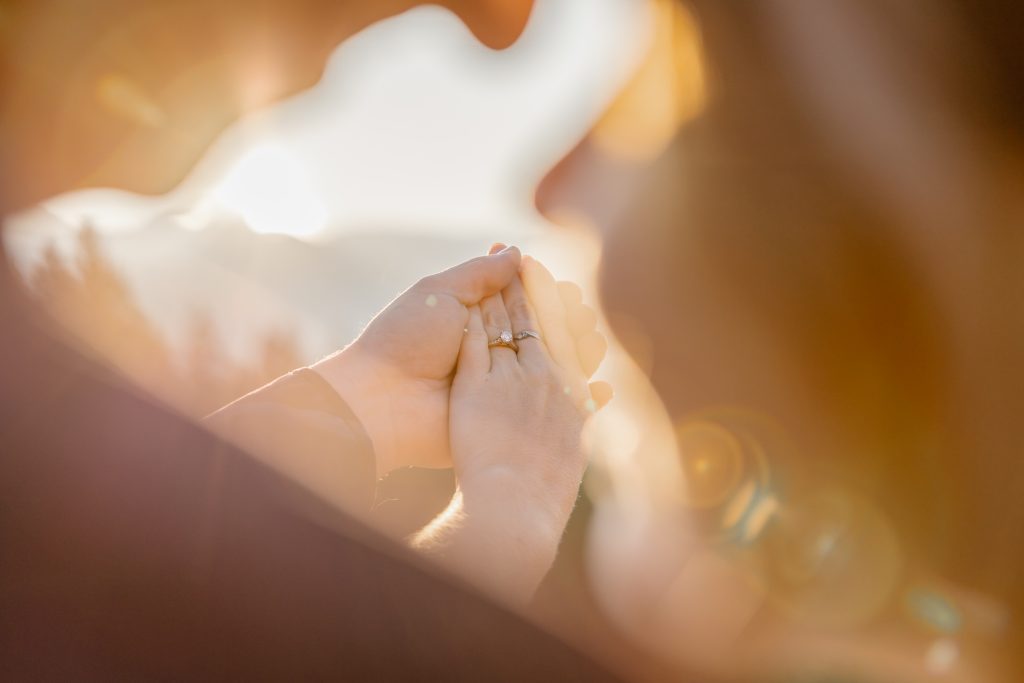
(427,282)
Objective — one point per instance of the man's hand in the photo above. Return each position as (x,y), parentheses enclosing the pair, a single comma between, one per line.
(397,375)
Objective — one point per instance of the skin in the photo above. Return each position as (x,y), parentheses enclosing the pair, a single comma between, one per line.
(430,393)
(397,375)
(523,486)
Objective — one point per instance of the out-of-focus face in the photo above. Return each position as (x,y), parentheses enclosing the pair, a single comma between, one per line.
(129,93)
(756,278)
(612,175)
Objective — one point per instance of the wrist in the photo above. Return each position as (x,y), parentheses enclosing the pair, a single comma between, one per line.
(505,550)
(507,498)
(364,385)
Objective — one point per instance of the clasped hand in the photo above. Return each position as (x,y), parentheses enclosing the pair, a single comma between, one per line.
(431,392)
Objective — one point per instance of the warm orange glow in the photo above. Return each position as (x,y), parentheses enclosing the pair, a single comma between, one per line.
(123,97)
(835,558)
(667,91)
(712,463)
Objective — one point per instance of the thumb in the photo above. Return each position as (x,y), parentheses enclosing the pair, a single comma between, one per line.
(481,277)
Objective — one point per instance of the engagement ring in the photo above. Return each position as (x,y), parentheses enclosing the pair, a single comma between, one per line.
(504,339)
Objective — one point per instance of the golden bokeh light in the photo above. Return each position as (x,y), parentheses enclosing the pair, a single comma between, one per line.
(739,505)
(834,559)
(712,462)
(668,90)
(726,476)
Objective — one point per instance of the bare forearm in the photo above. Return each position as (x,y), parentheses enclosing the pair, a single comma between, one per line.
(497,545)
(300,427)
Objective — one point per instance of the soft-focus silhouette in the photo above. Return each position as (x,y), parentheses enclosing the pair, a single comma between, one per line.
(93,304)
(819,274)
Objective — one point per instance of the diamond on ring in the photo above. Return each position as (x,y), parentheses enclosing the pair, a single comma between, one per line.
(505,339)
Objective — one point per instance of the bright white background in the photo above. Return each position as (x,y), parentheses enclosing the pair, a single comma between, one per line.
(417,149)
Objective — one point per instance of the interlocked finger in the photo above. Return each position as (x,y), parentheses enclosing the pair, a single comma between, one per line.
(581,319)
(551,313)
(550,308)
(525,326)
(591,348)
(570,292)
(499,331)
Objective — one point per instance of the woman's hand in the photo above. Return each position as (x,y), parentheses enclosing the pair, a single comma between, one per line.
(516,419)
(397,375)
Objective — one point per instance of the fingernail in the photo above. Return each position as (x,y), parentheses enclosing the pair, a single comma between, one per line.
(506,249)
(495,248)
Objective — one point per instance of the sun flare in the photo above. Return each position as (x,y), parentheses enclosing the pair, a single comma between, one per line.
(270,189)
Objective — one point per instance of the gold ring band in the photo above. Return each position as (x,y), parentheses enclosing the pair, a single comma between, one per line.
(504,339)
